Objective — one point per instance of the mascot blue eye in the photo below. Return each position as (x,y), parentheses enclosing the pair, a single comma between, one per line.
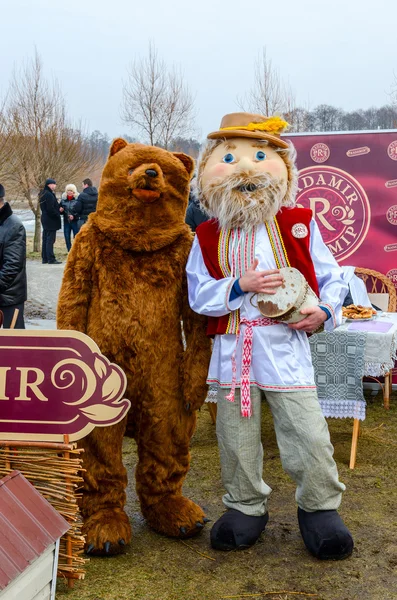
(228,158)
(260,155)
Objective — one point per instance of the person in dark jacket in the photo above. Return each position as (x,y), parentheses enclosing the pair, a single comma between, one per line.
(13,288)
(86,202)
(50,220)
(195,215)
(70,217)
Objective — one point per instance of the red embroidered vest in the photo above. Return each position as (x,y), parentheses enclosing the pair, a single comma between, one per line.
(296,249)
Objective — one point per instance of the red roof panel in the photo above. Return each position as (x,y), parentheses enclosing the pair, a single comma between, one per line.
(28,525)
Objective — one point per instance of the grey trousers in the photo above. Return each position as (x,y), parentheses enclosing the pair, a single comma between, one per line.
(305,450)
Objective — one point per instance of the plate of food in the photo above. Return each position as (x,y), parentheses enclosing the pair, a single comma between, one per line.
(356,312)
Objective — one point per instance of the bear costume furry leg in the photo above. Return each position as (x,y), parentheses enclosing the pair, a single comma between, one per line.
(125,286)
(106,525)
(163,450)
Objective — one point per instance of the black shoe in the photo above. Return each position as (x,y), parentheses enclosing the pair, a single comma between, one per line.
(325,535)
(55,262)
(236,531)
(44,262)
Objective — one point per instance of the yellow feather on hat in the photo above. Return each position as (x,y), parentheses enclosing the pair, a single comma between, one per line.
(271,125)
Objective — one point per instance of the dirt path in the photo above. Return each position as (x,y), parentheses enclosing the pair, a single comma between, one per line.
(44,282)
(158,568)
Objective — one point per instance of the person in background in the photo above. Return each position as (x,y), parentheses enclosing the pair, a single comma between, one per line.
(86,202)
(195,214)
(357,293)
(50,220)
(13,288)
(70,217)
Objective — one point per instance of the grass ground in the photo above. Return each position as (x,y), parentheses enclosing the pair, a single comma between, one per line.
(278,567)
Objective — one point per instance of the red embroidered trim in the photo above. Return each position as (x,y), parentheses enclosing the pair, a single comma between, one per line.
(246,359)
(263,386)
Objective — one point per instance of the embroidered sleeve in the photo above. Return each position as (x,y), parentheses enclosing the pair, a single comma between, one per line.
(236,290)
(327,308)
(208,296)
(234,295)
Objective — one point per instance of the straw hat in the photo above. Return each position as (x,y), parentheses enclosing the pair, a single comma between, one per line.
(248,125)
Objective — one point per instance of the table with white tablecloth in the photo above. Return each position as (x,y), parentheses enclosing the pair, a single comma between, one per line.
(343,357)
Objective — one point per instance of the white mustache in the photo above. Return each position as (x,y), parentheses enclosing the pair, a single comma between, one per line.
(243,199)
(243,181)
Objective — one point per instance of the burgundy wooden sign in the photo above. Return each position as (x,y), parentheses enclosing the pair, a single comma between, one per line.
(56,383)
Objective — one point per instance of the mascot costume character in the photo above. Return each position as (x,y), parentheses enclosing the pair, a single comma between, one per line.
(125,286)
(247,183)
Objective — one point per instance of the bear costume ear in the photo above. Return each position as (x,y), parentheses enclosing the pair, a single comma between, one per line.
(186,160)
(117,145)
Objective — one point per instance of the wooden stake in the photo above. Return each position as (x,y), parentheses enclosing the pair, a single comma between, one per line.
(14,318)
(22,444)
(213,410)
(386,392)
(353,453)
(69,548)
(8,461)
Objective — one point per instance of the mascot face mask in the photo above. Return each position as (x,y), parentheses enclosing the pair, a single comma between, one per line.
(245,175)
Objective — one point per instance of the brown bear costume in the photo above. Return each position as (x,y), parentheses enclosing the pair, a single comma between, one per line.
(125,286)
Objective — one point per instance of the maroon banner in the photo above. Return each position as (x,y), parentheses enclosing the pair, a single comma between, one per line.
(349,180)
(56,383)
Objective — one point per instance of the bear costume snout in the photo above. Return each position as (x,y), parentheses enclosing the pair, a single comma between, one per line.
(146,182)
(147,196)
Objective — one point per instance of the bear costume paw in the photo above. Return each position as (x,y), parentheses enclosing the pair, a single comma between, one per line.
(236,531)
(175,516)
(325,535)
(107,532)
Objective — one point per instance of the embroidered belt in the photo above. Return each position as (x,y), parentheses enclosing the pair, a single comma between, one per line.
(245,390)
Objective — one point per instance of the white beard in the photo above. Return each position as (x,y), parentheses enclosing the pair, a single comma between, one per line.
(243,199)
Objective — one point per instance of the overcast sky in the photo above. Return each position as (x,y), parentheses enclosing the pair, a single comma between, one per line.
(340,52)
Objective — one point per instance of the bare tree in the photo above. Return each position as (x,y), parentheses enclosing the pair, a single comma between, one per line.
(45,144)
(355,120)
(387,116)
(300,119)
(189,146)
(3,143)
(6,148)
(393,91)
(327,118)
(370,118)
(157,103)
(269,94)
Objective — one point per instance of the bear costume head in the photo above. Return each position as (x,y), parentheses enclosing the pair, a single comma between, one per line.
(246,172)
(143,196)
